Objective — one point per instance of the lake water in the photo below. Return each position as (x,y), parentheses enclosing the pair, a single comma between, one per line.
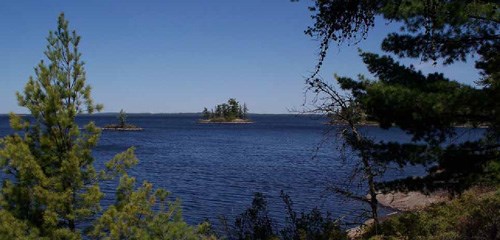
(216,168)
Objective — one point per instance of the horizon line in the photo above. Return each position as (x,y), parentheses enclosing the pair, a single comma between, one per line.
(153,113)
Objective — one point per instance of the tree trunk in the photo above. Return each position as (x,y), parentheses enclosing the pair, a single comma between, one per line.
(369,175)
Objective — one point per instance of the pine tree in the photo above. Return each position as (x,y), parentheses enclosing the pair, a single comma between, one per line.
(428,107)
(145,213)
(240,111)
(122,118)
(206,113)
(245,111)
(53,182)
(232,109)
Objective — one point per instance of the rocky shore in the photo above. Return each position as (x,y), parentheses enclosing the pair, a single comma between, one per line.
(401,202)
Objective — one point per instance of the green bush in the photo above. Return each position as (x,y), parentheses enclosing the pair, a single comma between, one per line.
(474,215)
(255,223)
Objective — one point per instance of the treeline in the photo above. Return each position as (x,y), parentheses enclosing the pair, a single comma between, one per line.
(227,111)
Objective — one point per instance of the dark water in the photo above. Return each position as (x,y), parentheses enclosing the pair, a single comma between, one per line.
(215,168)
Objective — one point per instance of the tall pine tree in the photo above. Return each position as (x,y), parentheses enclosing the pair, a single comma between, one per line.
(53,184)
(428,107)
(50,185)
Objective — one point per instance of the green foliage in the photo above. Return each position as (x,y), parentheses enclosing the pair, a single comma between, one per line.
(53,182)
(133,216)
(205,113)
(474,215)
(244,111)
(429,107)
(255,223)
(450,30)
(226,112)
(122,118)
(436,104)
(313,225)
(51,185)
(13,228)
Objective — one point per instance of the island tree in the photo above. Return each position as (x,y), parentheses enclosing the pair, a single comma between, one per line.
(205,113)
(122,118)
(122,124)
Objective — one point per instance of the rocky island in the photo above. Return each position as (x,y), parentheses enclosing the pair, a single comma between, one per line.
(230,112)
(122,124)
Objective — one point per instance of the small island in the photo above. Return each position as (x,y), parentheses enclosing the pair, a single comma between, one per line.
(230,112)
(122,124)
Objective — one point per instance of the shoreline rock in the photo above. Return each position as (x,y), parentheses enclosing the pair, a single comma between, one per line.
(400,202)
(412,201)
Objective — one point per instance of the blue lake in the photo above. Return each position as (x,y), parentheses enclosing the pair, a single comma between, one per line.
(216,168)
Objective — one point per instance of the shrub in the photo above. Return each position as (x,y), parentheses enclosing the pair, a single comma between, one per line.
(255,223)
(474,215)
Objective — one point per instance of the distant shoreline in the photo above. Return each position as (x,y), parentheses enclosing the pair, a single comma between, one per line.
(358,124)
(375,124)
(163,113)
(126,127)
(122,129)
(236,121)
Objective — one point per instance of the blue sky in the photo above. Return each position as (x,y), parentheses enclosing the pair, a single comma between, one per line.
(183,55)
